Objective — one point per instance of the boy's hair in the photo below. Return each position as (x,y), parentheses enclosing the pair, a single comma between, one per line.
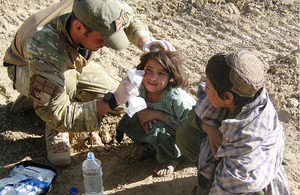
(170,61)
(237,73)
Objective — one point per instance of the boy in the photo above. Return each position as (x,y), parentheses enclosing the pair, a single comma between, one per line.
(237,130)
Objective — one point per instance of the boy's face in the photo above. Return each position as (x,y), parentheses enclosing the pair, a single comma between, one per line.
(213,96)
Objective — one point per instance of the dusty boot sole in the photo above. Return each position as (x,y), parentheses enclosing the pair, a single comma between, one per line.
(58,147)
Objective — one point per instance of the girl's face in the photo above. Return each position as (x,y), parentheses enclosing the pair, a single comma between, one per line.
(156,78)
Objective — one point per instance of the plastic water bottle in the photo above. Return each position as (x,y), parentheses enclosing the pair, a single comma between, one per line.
(92,175)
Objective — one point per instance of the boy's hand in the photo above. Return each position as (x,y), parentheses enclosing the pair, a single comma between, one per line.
(215,137)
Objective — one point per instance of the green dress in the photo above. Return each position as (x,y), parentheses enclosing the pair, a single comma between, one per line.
(176,103)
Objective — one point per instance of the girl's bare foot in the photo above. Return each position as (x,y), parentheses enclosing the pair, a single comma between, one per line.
(167,169)
(164,170)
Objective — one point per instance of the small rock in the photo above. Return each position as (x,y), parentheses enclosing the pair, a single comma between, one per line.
(274,99)
(105,136)
(272,70)
(255,11)
(280,56)
(281,97)
(233,9)
(95,139)
(292,102)
(284,116)
(287,2)
(217,1)
(294,60)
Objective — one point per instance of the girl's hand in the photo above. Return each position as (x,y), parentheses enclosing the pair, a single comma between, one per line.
(148,125)
(147,117)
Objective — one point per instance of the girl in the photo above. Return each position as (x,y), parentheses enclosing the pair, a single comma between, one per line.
(167,108)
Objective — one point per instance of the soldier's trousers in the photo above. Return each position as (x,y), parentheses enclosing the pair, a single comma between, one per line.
(91,83)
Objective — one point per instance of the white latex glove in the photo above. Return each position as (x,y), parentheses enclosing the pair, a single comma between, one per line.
(135,104)
(129,86)
(166,45)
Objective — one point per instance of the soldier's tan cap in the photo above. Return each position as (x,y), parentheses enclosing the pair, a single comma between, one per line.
(247,73)
(105,17)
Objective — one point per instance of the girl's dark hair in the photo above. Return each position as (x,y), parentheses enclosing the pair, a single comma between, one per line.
(218,72)
(170,61)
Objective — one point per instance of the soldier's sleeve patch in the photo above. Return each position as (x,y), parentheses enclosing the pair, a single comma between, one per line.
(41,90)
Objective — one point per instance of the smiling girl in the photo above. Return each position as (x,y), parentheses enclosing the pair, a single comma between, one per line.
(154,128)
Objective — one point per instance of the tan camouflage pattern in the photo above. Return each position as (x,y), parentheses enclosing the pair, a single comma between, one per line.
(22,84)
(15,53)
(49,53)
(133,25)
(95,84)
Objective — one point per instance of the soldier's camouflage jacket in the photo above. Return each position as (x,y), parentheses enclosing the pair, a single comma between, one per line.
(44,46)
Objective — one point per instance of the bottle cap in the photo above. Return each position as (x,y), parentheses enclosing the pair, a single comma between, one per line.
(90,155)
(73,190)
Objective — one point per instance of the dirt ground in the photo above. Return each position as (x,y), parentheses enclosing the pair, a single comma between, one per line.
(200,29)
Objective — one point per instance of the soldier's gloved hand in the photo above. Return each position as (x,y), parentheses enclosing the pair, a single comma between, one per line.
(129,86)
(166,45)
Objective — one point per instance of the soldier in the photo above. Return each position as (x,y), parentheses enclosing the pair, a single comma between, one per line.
(49,62)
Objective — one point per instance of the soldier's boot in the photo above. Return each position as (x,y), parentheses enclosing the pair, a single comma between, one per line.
(58,147)
(22,104)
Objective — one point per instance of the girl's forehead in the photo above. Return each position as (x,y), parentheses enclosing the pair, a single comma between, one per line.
(153,63)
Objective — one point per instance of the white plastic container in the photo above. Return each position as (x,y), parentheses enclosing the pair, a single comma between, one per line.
(92,175)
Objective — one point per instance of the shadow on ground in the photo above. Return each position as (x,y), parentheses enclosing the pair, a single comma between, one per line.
(22,139)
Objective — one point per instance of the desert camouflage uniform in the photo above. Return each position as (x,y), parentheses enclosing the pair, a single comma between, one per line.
(45,64)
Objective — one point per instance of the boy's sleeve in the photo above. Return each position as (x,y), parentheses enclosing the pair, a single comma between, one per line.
(252,151)
(207,112)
